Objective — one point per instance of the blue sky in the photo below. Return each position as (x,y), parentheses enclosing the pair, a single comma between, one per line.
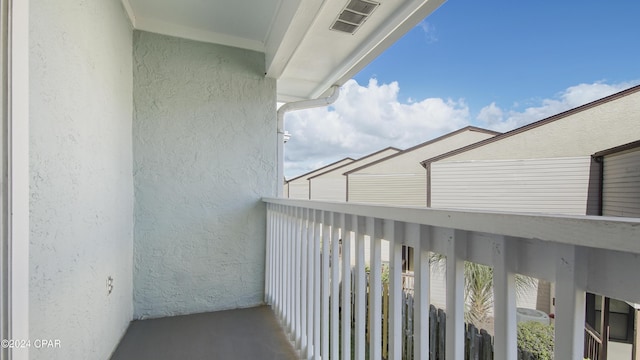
(513,51)
(495,64)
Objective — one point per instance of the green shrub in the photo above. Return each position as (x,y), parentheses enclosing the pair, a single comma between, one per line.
(385,272)
(537,339)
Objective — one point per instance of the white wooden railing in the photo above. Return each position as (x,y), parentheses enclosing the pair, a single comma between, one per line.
(578,253)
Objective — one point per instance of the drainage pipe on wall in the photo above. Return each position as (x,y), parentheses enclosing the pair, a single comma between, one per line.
(292,106)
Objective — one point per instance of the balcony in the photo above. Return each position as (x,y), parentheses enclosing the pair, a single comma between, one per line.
(578,253)
(138,152)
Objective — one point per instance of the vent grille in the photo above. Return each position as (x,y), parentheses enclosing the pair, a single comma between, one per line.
(353,15)
(361,6)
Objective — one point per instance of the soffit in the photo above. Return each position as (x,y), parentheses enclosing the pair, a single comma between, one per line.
(301,52)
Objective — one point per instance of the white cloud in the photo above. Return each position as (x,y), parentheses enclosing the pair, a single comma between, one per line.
(492,116)
(429,31)
(368,118)
(365,119)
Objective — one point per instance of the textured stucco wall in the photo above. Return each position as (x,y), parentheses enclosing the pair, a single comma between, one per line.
(204,154)
(81,185)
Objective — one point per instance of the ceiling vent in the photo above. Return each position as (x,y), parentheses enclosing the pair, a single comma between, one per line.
(354,15)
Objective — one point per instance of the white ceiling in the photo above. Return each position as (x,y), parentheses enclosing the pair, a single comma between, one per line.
(301,52)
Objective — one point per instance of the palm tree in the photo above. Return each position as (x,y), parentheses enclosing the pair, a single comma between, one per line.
(478,285)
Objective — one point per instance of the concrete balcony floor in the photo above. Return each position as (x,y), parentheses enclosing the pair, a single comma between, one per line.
(252,333)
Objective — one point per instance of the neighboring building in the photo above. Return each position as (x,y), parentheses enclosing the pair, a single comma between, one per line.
(331,185)
(621,180)
(619,196)
(399,179)
(548,167)
(543,167)
(298,187)
(548,185)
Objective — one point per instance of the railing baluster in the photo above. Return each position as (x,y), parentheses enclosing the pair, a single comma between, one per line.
(419,238)
(281,244)
(304,260)
(316,284)
(504,305)
(456,253)
(360,288)
(327,219)
(279,272)
(289,268)
(337,228)
(298,213)
(394,233)
(313,238)
(374,229)
(571,272)
(267,262)
(346,289)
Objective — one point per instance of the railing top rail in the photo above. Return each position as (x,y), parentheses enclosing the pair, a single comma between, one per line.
(611,233)
(593,333)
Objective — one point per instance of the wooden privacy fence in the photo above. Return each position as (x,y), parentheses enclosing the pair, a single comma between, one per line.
(478,342)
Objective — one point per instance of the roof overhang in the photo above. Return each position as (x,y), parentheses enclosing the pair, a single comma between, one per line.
(301,51)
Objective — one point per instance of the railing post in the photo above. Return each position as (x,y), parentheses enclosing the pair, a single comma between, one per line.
(456,253)
(418,237)
(571,272)
(504,305)
(394,233)
(374,229)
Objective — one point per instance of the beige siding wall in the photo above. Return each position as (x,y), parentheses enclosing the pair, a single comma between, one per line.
(558,185)
(401,180)
(299,187)
(409,161)
(389,189)
(621,186)
(329,188)
(605,126)
(332,185)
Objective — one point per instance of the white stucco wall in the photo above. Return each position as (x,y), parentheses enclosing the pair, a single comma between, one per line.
(204,155)
(81,223)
